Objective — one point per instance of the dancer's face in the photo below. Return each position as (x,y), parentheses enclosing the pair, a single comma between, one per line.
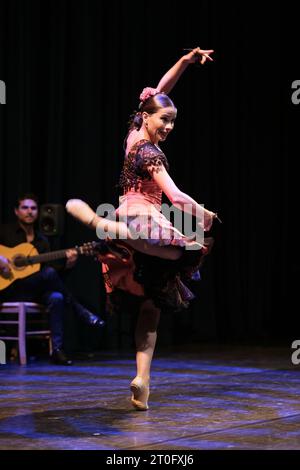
(160,124)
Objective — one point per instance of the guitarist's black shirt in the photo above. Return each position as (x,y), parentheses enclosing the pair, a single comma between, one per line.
(12,235)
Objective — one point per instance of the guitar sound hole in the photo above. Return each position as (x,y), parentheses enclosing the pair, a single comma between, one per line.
(19,261)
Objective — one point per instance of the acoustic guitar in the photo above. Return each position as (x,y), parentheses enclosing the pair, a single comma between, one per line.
(25,260)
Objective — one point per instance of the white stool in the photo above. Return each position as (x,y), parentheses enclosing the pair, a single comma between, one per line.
(23,321)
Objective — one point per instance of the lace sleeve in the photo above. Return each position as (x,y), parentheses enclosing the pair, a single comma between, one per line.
(150,159)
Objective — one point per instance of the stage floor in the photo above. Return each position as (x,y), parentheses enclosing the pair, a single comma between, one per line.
(202,397)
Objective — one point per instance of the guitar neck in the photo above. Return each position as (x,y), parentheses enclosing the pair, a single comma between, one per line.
(20,260)
(59,254)
(44,258)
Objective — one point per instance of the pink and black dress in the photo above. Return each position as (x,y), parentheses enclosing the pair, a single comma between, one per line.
(130,274)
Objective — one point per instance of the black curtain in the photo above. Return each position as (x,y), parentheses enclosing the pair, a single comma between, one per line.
(73,73)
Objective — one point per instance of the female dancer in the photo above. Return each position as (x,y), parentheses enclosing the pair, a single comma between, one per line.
(145,258)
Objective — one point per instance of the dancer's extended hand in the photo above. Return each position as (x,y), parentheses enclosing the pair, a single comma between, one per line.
(199,55)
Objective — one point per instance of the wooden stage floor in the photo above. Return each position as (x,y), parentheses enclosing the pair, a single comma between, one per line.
(213,398)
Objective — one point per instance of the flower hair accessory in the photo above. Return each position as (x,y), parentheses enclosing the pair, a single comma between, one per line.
(147,92)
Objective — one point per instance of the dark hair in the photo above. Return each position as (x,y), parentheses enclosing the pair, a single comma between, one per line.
(26,196)
(150,106)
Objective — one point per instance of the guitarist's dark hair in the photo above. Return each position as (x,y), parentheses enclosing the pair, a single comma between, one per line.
(26,196)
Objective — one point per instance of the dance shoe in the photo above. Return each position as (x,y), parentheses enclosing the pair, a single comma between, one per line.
(140,394)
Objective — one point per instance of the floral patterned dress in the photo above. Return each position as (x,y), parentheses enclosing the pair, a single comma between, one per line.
(129,273)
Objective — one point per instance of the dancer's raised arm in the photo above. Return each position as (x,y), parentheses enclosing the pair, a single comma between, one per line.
(166,84)
(171,77)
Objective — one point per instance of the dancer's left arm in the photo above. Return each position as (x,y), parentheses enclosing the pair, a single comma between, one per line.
(182,200)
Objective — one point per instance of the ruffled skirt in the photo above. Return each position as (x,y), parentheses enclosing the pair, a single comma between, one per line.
(130,274)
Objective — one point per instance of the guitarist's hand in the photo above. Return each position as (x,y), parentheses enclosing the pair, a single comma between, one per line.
(5,270)
(72,256)
(88,249)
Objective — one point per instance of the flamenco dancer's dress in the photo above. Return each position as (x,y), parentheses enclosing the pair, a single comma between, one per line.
(131,276)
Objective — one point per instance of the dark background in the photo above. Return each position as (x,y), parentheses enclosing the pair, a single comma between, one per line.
(73,74)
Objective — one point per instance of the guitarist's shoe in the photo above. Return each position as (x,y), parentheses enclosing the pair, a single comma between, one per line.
(86,316)
(59,357)
(91,319)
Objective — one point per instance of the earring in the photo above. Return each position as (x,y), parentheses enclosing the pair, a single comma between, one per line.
(146,124)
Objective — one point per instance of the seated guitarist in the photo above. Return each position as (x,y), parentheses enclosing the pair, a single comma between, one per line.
(44,286)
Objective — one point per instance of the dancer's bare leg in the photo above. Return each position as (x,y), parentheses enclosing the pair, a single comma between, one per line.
(145,339)
(118,230)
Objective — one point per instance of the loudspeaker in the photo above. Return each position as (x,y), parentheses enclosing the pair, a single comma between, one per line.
(52,219)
